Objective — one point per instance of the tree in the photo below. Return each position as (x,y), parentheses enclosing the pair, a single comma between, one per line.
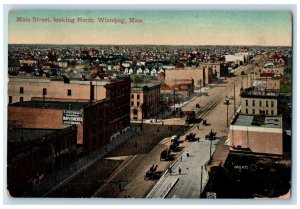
(137,79)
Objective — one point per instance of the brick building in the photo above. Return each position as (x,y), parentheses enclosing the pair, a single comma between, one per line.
(269,84)
(276,71)
(204,74)
(74,93)
(257,134)
(90,119)
(118,102)
(25,89)
(34,154)
(145,100)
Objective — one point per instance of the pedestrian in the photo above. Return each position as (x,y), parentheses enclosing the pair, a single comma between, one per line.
(170,171)
(181,158)
(187,153)
(179,171)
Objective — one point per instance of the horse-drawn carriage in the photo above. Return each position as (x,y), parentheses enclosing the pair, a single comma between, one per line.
(152,173)
(166,155)
(191,137)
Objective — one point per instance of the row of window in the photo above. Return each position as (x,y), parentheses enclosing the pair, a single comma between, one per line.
(69,92)
(260,103)
(137,103)
(10,99)
(253,112)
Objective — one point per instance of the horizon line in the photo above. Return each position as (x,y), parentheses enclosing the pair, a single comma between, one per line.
(152,44)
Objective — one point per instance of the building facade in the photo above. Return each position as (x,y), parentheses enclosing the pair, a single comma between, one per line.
(26,89)
(257,134)
(258,102)
(34,154)
(144,100)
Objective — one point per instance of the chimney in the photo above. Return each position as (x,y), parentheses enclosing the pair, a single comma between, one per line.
(91,92)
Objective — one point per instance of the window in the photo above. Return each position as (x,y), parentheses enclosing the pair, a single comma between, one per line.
(272,103)
(260,103)
(10,99)
(69,92)
(132,96)
(253,103)
(21,90)
(138,104)
(253,111)
(132,103)
(272,112)
(21,99)
(246,111)
(246,102)
(138,96)
(267,103)
(267,112)
(44,91)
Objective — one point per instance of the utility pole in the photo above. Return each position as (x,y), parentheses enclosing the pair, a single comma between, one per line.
(174,98)
(234,98)
(227,103)
(201,181)
(210,139)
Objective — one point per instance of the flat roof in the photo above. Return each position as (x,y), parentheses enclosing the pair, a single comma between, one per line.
(141,85)
(52,105)
(20,135)
(253,121)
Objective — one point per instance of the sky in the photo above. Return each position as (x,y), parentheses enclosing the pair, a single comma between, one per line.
(273,28)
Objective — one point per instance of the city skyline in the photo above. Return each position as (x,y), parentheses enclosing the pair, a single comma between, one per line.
(247,28)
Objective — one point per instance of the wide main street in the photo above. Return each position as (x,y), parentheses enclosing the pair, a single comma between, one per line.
(141,151)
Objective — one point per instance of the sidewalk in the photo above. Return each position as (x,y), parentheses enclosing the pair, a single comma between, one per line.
(186,184)
(64,176)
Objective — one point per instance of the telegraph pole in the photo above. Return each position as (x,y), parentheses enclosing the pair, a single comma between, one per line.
(227,103)
(201,181)
(210,139)
(234,98)
(174,98)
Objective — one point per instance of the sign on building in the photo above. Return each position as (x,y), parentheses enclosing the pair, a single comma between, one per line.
(72,117)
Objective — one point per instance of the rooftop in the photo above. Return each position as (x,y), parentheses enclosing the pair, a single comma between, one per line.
(259,121)
(139,86)
(52,105)
(252,92)
(20,135)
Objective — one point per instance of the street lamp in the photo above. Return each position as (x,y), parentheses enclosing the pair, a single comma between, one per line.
(211,137)
(227,103)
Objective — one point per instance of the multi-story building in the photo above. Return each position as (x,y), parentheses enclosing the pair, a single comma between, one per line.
(262,83)
(259,102)
(204,74)
(257,134)
(46,89)
(144,100)
(276,71)
(34,154)
(97,123)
